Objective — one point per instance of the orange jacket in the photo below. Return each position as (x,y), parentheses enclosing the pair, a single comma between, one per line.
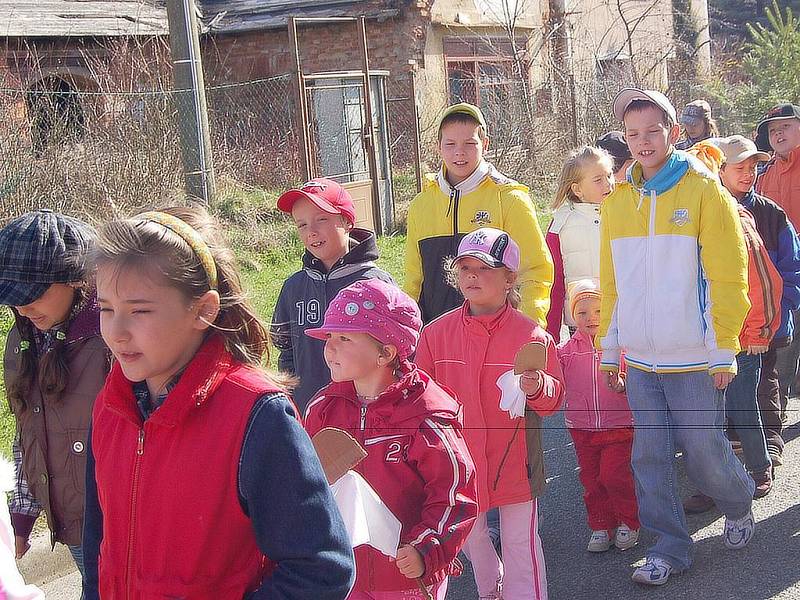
(765,288)
(780,182)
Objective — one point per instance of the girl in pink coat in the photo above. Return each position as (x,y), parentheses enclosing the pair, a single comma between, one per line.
(471,350)
(600,423)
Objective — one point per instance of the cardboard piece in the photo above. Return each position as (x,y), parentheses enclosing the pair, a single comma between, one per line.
(338,452)
(531,357)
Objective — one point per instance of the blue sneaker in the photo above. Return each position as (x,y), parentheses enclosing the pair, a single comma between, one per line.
(655,571)
(738,532)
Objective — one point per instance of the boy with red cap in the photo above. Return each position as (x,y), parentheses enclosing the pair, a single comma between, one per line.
(336,254)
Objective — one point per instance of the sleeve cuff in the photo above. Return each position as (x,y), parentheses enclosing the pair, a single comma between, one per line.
(722,361)
(22,524)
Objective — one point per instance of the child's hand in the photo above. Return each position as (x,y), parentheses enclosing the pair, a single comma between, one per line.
(531,382)
(721,380)
(410,561)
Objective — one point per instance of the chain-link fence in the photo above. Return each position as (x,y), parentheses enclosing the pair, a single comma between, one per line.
(93,152)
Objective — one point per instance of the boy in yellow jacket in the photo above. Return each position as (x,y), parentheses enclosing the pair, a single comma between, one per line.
(466,194)
(673,271)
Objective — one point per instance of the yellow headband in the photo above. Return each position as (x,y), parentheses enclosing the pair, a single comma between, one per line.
(185,231)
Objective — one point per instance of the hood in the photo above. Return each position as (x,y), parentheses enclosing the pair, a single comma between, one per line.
(85,324)
(471,183)
(677,165)
(363,249)
(411,399)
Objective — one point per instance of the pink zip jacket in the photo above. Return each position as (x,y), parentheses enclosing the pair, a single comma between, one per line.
(589,403)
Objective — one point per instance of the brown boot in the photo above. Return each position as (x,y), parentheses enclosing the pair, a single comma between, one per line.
(697,504)
(763,481)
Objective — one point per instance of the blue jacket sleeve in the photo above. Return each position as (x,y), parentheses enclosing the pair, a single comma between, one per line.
(281,332)
(92,528)
(788,265)
(297,523)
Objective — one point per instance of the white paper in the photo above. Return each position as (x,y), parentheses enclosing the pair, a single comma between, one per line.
(513,398)
(366,517)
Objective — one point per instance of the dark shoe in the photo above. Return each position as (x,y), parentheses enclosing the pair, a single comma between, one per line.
(698,504)
(776,458)
(763,481)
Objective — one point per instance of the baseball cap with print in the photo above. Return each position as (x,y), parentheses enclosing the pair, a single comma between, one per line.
(628,95)
(738,148)
(491,246)
(463,108)
(325,194)
(778,112)
(695,112)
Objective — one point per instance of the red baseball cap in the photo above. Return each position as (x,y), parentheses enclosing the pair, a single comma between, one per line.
(326,194)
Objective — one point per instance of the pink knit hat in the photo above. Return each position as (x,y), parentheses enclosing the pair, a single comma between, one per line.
(581,289)
(377,308)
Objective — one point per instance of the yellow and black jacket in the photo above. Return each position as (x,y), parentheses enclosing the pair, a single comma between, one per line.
(441,215)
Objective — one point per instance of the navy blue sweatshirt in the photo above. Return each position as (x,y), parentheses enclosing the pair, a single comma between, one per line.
(285,494)
(302,303)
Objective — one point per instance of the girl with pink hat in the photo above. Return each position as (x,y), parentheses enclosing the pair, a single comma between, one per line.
(417,460)
(474,350)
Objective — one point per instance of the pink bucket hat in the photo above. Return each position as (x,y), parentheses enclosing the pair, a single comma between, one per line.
(377,308)
(492,246)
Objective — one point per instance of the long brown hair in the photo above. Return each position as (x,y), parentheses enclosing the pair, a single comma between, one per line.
(50,371)
(156,249)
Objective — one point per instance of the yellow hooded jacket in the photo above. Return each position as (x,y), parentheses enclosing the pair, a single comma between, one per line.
(441,215)
(673,272)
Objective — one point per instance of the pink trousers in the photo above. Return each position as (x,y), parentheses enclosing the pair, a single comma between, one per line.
(438,592)
(521,574)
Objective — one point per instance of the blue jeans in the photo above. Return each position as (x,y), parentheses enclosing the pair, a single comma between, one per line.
(741,406)
(77,556)
(686,411)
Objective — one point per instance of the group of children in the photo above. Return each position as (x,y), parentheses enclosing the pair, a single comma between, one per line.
(645,263)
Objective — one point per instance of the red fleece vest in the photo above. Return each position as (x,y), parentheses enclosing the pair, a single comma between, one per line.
(173,526)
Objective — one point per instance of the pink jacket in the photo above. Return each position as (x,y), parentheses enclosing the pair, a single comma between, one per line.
(468,355)
(589,403)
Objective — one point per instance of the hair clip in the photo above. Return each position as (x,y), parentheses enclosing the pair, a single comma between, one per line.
(23,345)
(60,335)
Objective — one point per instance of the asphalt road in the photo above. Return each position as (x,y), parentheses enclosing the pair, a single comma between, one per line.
(769,567)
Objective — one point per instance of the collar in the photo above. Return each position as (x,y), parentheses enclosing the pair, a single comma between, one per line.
(666,178)
(200,379)
(470,184)
(485,324)
(784,164)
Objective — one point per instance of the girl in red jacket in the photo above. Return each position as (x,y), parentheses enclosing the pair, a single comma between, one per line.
(601,425)
(201,482)
(416,461)
(472,350)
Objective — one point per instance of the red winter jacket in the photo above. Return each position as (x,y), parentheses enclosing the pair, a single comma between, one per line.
(418,464)
(173,526)
(468,355)
(588,402)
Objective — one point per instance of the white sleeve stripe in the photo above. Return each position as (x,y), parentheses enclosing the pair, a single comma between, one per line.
(452,492)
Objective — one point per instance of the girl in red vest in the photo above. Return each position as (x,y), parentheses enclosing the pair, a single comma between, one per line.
(472,350)
(417,461)
(201,482)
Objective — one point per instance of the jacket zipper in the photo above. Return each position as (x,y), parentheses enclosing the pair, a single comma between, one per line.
(455,196)
(363,416)
(595,394)
(651,234)
(134,492)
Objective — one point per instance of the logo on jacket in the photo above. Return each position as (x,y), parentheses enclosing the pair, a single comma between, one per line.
(680,217)
(482,217)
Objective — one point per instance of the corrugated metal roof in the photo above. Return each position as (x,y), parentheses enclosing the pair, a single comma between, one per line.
(230,16)
(82,18)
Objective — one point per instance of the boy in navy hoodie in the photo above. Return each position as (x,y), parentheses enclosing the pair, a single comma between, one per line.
(336,255)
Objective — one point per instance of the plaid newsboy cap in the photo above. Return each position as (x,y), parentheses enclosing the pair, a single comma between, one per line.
(39,249)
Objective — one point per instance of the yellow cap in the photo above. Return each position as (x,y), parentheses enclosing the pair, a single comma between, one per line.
(466,109)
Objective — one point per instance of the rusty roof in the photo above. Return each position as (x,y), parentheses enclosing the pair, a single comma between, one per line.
(82,18)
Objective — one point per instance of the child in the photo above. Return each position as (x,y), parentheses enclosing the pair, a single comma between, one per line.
(698,125)
(54,364)
(601,425)
(469,350)
(201,482)
(574,234)
(336,255)
(614,143)
(673,271)
(12,585)
(466,194)
(417,461)
(779,130)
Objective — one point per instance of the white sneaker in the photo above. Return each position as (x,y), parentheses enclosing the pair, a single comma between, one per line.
(738,532)
(625,537)
(599,542)
(655,571)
